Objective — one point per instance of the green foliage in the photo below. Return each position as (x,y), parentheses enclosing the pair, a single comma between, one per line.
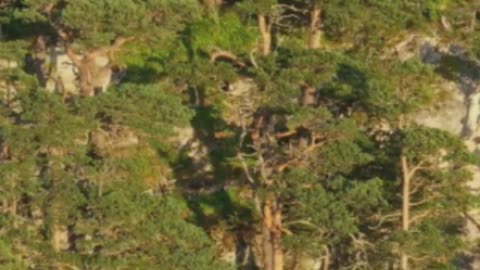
(69,199)
(228,34)
(257,7)
(148,108)
(101,21)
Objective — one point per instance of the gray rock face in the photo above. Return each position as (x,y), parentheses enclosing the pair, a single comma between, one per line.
(451,113)
(458,114)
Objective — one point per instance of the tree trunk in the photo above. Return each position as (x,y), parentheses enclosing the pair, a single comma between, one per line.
(268,256)
(315,34)
(405,207)
(271,234)
(308,96)
(277,235)
(265,31)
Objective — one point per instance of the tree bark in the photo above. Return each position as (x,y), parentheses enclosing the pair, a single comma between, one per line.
(308,97)
(406,177)
(271,234)
(268,256)
(315,34)
(277,235)
(265,31)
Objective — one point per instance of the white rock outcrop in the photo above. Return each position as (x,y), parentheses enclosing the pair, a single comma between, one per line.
(459,114)
(57,73)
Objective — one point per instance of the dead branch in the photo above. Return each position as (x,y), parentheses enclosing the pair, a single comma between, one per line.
(291,8)
(306,223)
(219,53)
(114,47)
(285,134)
(252,57)
(425,200)
(360,242)
(385,219)
(252,183)
(419,217)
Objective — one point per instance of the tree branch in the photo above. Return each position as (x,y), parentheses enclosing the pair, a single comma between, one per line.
(116,45)
(252,183)
(384,219)
(305,223)
(219,53)
(425,200)
(419,217)
(416,168)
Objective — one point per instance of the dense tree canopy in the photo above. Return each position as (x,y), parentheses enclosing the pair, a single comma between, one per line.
(229,134)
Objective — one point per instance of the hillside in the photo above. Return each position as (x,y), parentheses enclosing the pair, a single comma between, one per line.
(239,134)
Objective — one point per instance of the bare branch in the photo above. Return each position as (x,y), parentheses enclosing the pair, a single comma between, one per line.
(416,188)
(252,57)
(416,168)
(305,223)
(219,53)
(385,219)
(245,169)
(359,241)
(286,231)
(292,8)
(425,200)
(252,183)
(285,134)
(419,217)
(116,45)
